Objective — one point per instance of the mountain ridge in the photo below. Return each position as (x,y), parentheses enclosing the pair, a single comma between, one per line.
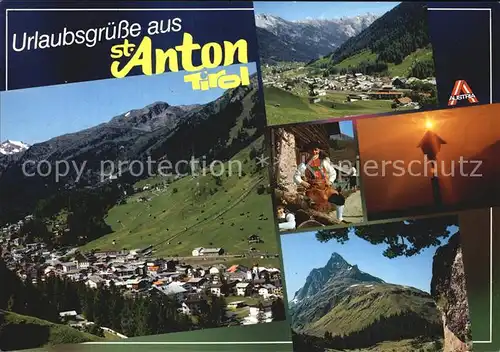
(390,38)
(304,40)
(341,300)
(218,129)
(336,268)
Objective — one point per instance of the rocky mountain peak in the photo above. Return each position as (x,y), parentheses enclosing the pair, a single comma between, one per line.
(158,107)
(336,272)
(10,147)
(336,258)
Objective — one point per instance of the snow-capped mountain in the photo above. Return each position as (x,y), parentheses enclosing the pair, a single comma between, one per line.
(12,147)
(305,40)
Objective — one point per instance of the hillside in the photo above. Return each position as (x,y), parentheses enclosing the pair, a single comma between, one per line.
(202,211)
(306,40)
(396,41)
(340,306)
(38,333)
(217,130)
(286,107)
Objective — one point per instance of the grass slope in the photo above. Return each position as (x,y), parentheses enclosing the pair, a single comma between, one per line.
(366,303)
(285,107)
(37,332)
(196,212)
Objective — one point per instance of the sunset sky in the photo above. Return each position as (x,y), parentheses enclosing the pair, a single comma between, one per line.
(467,131)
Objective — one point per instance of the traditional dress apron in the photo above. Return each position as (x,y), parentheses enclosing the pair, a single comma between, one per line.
(320,190)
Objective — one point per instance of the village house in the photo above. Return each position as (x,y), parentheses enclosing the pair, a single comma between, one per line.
(267,290)
(137,283)
(243,289)
(94,281)
(82,264)
(237,268)
(68,267)
(196,282)
(192,304)
(212,251)
(68,315)
(175,290)
(237,276)
(168,276)
(214,270)
(196,252)
(399,82)
(216,289)
(403,101)
(183,269)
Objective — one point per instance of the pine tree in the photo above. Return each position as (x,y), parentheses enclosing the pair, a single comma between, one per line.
(128,320)
(88,309)
(218,311)
(101,307)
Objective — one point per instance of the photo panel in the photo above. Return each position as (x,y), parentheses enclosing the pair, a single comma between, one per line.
(430,162)
(136,207)
(394,286)
(315,178)
(467,74)
(335,59)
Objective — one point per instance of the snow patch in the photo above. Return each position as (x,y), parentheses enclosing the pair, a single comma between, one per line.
(10,147)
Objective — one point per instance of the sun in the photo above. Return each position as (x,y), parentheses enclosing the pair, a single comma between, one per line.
(429,124)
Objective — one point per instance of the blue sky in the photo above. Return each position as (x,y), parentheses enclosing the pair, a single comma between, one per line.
(302,253)
(346,128)
(38,114)
(296,10)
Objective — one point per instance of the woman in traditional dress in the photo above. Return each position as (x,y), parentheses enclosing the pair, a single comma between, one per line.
(317,176)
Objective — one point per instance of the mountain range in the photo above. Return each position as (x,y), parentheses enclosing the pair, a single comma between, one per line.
(305,40)
(216,130)
(390,38)
(351,305)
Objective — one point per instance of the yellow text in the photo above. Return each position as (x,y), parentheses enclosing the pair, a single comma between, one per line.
(157,61)
(218,80)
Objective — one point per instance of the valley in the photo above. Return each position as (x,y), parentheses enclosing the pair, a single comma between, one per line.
(385,66)
(148,252)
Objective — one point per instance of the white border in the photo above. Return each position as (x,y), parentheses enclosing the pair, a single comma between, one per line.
(491,102)
(98,10)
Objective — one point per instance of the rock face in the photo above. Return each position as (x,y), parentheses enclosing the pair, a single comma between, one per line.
(359,310)
(287,160)
(449,290)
